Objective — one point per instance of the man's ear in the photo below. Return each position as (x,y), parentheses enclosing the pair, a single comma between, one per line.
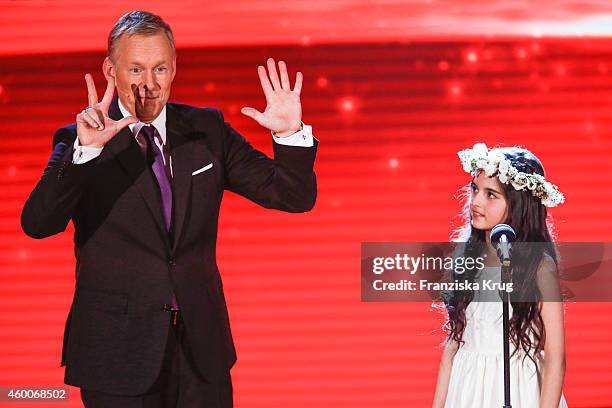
(108,68)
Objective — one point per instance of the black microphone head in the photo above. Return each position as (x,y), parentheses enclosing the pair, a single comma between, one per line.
(502,229)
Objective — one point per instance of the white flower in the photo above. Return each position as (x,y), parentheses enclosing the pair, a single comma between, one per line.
(503,177)
(490,168)
(548,202)
(553,196)
(480,150)
(519,182)
(553,200)
(504,166)
(466,161)
(531,183)
(495,156)
(481,163)
(560,198)
(541,191)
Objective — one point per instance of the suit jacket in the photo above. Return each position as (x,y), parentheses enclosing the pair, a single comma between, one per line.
(127,265)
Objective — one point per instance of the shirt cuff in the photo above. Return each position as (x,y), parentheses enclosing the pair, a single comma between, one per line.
(83,154)
(302,138)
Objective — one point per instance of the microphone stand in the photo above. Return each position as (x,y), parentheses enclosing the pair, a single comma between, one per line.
(506,276)
(503,235)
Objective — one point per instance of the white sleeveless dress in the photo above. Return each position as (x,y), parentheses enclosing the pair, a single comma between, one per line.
(477,374)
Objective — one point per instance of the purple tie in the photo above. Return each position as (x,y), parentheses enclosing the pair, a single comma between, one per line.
(162,174)
(161,170)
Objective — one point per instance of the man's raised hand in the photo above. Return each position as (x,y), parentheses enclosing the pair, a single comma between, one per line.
(94,127)
(283,113)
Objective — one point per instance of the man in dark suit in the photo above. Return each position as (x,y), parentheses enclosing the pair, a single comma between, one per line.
(142,180)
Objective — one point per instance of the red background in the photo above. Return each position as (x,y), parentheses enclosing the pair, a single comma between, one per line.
(393,91)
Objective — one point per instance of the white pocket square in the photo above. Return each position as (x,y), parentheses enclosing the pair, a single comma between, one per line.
(198,171)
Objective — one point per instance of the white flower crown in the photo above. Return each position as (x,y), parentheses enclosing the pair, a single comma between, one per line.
(493,163)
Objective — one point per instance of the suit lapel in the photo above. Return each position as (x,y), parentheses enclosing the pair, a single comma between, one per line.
(182,156)
(126,150)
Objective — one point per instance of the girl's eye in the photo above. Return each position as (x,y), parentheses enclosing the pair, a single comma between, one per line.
(491,195)
(474,189)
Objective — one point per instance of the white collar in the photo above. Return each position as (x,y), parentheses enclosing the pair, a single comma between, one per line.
(159,122)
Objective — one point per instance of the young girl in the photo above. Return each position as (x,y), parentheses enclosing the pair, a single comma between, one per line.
(508,186)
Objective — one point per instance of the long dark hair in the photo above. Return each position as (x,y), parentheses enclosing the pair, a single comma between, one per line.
(532,223)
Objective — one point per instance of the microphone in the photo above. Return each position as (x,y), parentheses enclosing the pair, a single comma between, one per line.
(502,236)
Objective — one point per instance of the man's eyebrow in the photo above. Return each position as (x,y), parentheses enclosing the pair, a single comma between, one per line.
(163,62)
